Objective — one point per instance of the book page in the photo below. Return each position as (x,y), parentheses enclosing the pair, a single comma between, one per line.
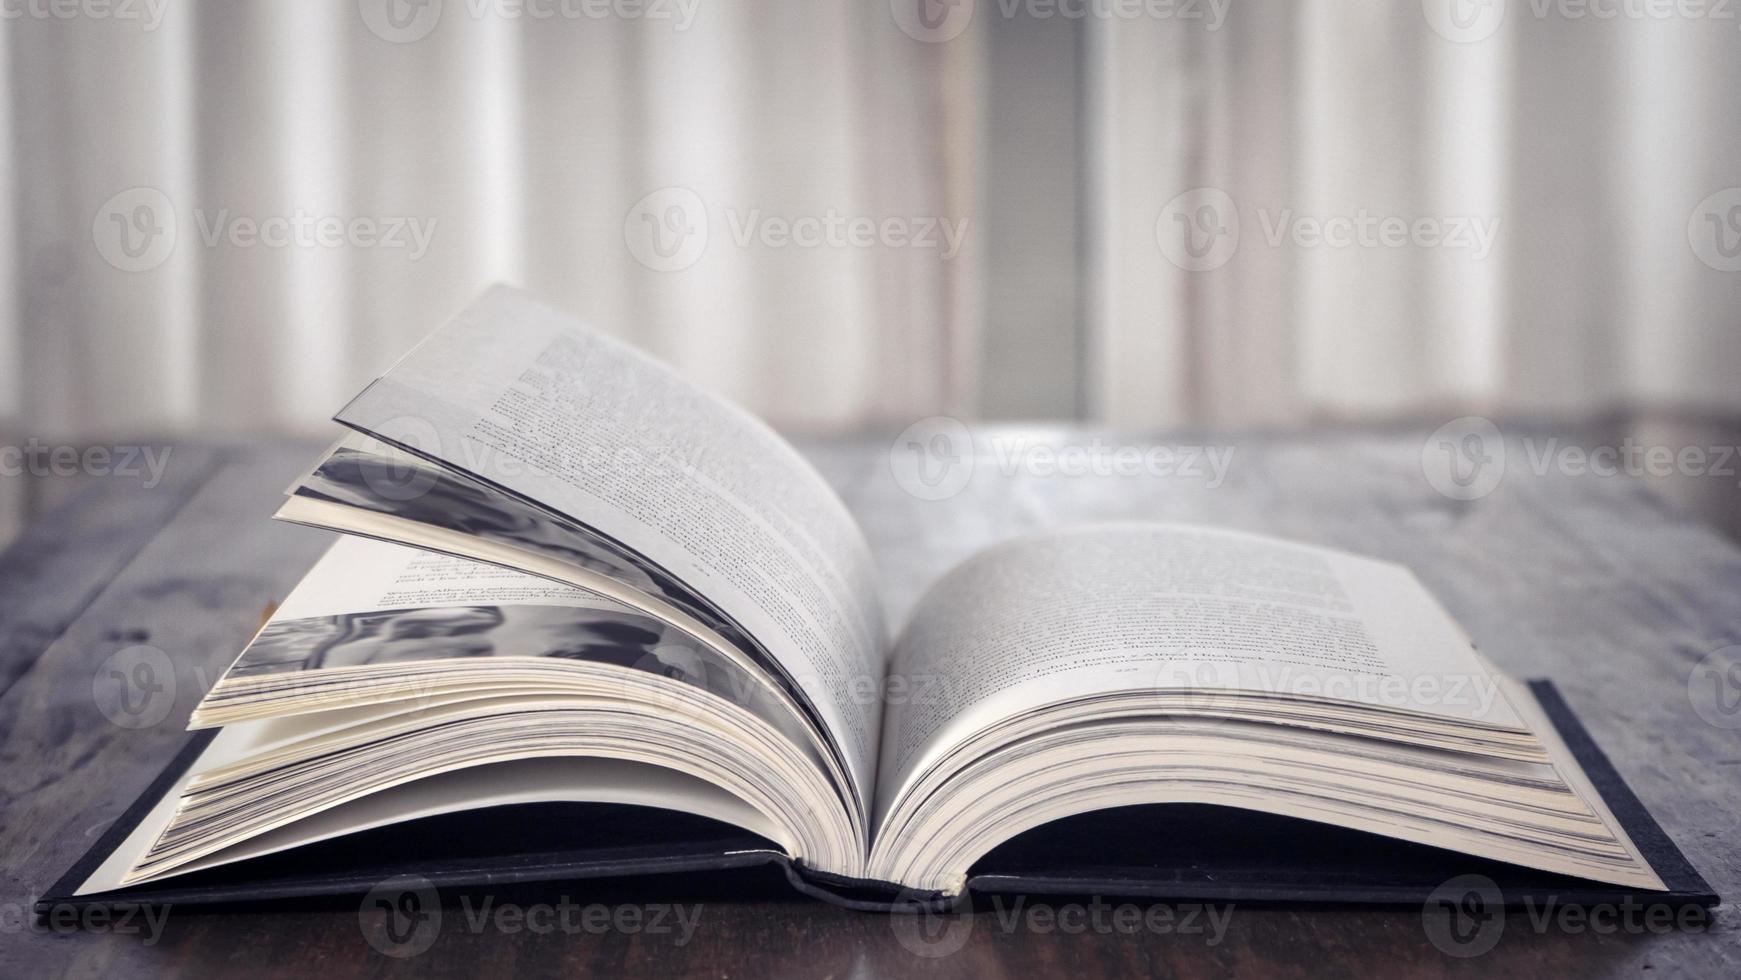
(525,399)
(1146,607)
(365,474)
(578,780)
(370,603)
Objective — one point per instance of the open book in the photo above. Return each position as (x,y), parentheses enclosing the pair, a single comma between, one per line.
(571,576)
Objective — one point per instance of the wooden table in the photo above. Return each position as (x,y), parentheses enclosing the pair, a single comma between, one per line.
(1583,579)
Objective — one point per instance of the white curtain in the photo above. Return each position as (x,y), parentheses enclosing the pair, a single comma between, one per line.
(526,144)
(1586,144)
(525,141)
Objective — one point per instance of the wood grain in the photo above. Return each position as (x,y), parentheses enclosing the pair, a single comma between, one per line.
(1589,581)
(53,570)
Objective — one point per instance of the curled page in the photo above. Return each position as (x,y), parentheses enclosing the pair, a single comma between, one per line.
(529,401)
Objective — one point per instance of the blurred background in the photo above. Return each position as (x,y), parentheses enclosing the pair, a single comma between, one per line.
(223,218)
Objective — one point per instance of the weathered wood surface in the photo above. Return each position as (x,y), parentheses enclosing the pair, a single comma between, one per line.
(54,569)
(1587,580)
